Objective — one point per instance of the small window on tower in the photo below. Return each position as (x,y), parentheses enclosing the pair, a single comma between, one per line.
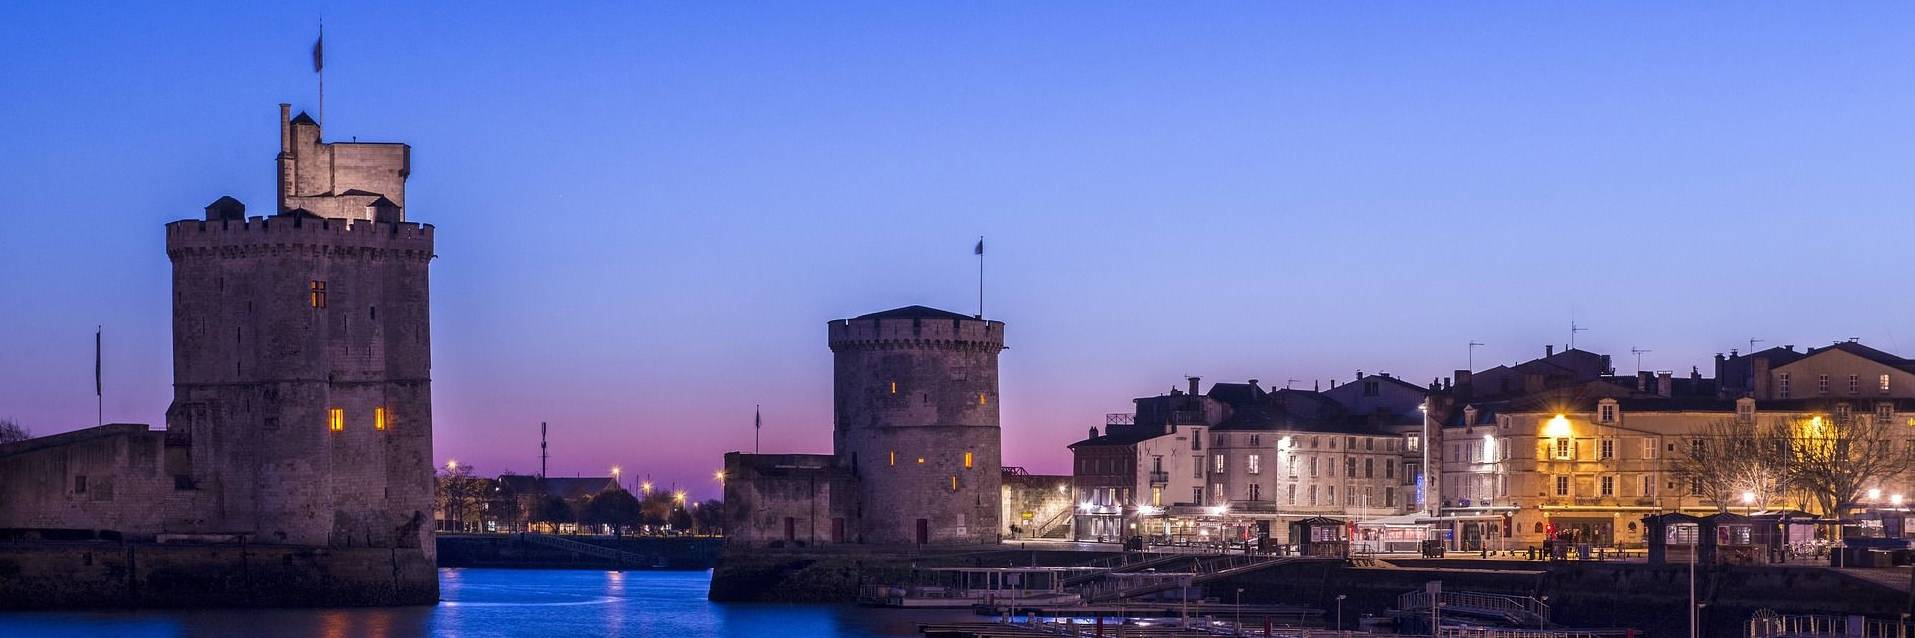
(379,418)
(967,460)
(317,289)
(336,419)
(894,457)
(981,400)
(954,482)
(920,460)
(894,387)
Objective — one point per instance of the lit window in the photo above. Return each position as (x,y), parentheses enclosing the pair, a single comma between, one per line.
(967,460)
(894,387)
(1216,463)
(317,290)
(981,400)
(1563,450)
(920,460)
(1254,465)
(336,419)
(1882,384)
(954,482)
(894,457)
(379,418)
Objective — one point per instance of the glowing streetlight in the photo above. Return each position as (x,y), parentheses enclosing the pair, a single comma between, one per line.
(1874,493)
(452,464)
(718,476)
(614,471)
(1895,500)
(1748,498)
(645,487)
(679,496)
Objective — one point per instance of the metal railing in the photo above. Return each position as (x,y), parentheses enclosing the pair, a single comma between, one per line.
(588,549)
(1159,477)
(1515,608)
(1499,632)
(1766,624)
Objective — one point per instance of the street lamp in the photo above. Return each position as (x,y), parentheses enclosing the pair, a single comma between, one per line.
(1340,598)
(451,465)
(1239,628)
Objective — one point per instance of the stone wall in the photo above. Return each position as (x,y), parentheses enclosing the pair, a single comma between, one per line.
(1036,505)
(798,499)
(105,575)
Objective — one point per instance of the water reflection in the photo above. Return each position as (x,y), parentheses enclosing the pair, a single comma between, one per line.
(484,603)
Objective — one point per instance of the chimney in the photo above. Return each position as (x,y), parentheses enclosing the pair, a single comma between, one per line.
(1193,384)
(1665,384)
(1758,377)
(1549,350)
(1695,373)
(1316,385)
(1446,383)
(1253,384)
(1643,378)
(1462,377)
(1093,431)
(1790,347)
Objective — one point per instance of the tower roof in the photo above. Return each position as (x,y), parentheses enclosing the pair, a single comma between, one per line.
(915,312)
(303,118)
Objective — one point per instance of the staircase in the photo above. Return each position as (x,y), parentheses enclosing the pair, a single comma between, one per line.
(1056,527)
(619,557)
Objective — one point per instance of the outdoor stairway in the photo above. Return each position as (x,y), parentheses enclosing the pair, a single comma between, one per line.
(587,549)
(1522,611)
(1206,569)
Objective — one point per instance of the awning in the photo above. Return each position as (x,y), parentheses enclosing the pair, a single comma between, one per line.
(1404,520)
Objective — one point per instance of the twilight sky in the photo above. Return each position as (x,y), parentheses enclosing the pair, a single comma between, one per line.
(647,214)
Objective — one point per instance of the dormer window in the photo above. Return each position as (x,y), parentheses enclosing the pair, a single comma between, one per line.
(1882,384)
(1606,412)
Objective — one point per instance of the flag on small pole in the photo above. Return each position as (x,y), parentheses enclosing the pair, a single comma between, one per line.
(757,423)
(99,400)
(979,251)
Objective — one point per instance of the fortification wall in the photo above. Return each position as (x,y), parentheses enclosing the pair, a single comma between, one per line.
(118,477)
(789,499)
(49,575)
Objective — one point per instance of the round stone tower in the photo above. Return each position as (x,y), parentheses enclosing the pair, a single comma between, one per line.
(917,423)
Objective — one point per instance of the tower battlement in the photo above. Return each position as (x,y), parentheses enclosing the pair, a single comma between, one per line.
(191,236)
(916,327)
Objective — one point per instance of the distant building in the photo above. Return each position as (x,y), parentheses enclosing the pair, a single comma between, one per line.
(1584,454)
(1241,462)
(302,408)
(915,442)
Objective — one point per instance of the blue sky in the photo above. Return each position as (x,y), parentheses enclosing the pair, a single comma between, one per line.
(646,212)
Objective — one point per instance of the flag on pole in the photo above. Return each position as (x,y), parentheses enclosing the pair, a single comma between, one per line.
(757,419)
(96,362)
(980,247)
(319,50)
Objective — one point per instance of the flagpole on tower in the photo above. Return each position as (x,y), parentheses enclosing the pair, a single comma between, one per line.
(99,394)
(980,276)
(319,66)
(757,423)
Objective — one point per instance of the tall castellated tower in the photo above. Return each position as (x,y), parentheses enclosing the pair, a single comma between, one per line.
(301,354)
(917,422)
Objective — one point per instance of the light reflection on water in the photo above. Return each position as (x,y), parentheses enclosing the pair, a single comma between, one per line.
(504,603)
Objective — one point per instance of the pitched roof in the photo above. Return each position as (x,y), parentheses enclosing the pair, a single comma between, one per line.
(1865,352)
(303,118)
(915,312)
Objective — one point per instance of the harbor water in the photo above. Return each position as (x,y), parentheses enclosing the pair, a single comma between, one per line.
(480,603)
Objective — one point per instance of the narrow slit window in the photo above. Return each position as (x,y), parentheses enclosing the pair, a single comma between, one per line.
(379,418)
(981,400)
(894,387)
(317,291)
(894,457)
(954,482)
(967,460)
(336,419)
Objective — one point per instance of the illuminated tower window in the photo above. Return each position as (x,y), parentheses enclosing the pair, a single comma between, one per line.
(967,460)
(379,418)
(318,293)
(954,482)
(336,419)
(920,460)
(894,457)
(981,400)
(894,387)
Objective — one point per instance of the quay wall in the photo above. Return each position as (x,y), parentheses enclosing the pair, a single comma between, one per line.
(508,550)
(1651,598)
(836,574)
(103,574)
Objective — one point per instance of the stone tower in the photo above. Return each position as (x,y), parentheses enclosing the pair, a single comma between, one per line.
(917,422)
(301,354)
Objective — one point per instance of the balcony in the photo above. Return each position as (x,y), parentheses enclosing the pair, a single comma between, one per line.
(1120,418)
(1159,478)
(1187,417)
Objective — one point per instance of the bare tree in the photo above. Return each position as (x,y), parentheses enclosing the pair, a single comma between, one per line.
(1837,460)
(1727,459)
(461,497)
(11,431)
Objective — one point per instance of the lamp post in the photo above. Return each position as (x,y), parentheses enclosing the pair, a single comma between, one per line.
(1340,612)
(1238,630)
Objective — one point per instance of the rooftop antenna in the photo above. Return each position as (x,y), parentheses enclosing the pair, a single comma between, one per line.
(1472,353)
(1573,329)
(542,454)
(1752,342)
(1638,352)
